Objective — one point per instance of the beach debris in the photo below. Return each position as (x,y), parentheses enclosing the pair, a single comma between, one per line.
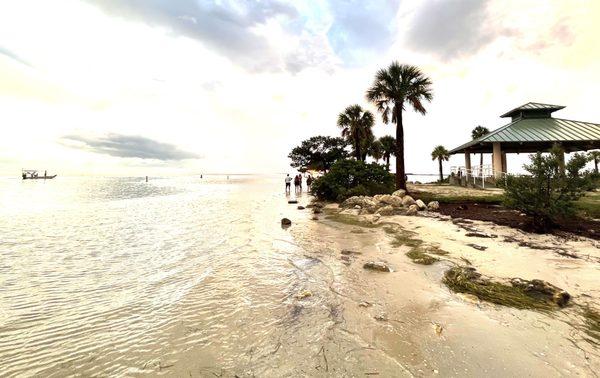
(286,222)
(477,247)
(315,217)
(317,210)
(471,298)
(365,304)
(301,207)
(519,293)
(350,252)
(407,201)
(292,201)
(543,289)
(378,266)
(399,193)
(303,294)
(382,317)
(412,210)
(461,207)
(477,234)
(420,204)
(438,328)
(433,206)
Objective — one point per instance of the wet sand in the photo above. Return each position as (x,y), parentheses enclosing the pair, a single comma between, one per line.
(408,323)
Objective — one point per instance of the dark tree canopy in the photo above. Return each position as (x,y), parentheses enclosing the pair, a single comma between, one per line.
(318,153)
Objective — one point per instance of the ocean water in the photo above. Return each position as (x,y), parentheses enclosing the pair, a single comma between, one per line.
(116,276)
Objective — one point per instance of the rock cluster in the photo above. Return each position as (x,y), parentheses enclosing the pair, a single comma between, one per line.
(397,203)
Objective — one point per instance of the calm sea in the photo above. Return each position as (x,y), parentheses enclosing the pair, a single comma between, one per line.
(116,276)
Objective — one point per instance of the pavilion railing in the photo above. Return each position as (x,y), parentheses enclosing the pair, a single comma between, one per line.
(478,172)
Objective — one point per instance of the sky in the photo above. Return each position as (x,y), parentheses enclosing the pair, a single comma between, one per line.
(177,87)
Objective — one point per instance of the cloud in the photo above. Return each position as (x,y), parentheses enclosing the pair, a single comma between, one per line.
(13,56)
(129,146)
(451,28)
(362,29)
(227,26)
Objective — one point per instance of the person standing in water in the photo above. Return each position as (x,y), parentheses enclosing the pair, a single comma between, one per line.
(288,183)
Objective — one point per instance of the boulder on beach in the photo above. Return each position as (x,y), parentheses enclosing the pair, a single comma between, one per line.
(420,204)
(286,222)
(407,201)
(388,199)
(364,202)
(300,207)
(433,206)
(379,266)
(412,210)
(399,193)
(386,210)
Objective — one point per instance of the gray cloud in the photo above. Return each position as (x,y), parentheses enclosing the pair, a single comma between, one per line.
(362,28)
(12,55)
(225,26)
(129,146)
(451,28)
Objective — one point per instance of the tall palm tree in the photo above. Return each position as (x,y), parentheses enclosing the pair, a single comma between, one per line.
(388,144)
(595,157)
(477,133)
(376,150)
(356,125)
(440,153)
(393,89)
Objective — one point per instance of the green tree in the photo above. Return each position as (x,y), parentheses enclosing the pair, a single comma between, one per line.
(595,157)
(376,150)
(440,153)
(388,144)
(356,125)
(546,193)
(393,89)
(477,133)
(318,153)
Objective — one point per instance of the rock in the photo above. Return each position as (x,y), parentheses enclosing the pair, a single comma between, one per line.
(363,201)
(315,217)
(433,206)
(407,201)
(438,328)
(286,222)
(301,207)
(358,207)
(386,211)
(420,204)
(399,193)
(378,266)
(292,201)
(376,217)
(412,210)
(303,294)
(317,210)
(382,317)
(477,247)
(477,234)
(365,304)
(543,289)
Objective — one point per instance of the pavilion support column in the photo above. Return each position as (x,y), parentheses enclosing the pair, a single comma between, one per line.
(497,165)
(561,161)
(504,167)
(468,165)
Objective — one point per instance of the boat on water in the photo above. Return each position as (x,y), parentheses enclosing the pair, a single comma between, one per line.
(32,174)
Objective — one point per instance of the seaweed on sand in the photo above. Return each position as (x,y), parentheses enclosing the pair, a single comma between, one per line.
(351,220)
(591,324)
(468,280)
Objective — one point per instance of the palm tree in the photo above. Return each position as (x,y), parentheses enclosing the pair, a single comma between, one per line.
(376,150)
(388,144)
(356,125)
(440,153)
(477,133)
(595,157)
(393,89)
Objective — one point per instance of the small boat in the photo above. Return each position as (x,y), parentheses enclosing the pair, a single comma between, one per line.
(31,174)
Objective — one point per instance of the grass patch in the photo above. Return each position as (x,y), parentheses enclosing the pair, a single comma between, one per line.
(426,197)
(589,205)
(418,253)
(467,280)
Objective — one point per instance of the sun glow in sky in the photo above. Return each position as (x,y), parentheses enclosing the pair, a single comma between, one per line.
(162,87)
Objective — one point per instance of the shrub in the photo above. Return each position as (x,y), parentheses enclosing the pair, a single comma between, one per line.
(547,194)
(353,178)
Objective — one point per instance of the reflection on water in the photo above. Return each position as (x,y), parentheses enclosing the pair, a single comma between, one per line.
(120,276)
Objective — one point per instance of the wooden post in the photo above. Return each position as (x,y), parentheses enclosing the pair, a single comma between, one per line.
(504,167)
(468,166)
(497,160)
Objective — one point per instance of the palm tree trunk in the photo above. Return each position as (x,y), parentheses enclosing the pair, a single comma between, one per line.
(400,172)
(481,160)
(357,149)
(387,163)
(596,164)
(441,173)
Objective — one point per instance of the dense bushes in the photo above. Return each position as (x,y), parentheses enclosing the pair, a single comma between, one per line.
(353,178)
(547,193)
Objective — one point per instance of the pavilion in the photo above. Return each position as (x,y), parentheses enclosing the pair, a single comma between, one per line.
(532,129)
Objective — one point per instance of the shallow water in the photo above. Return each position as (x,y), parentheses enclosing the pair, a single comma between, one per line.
(119,276)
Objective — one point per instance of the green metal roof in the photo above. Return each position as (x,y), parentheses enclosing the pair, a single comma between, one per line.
(532,106)
(538,131)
